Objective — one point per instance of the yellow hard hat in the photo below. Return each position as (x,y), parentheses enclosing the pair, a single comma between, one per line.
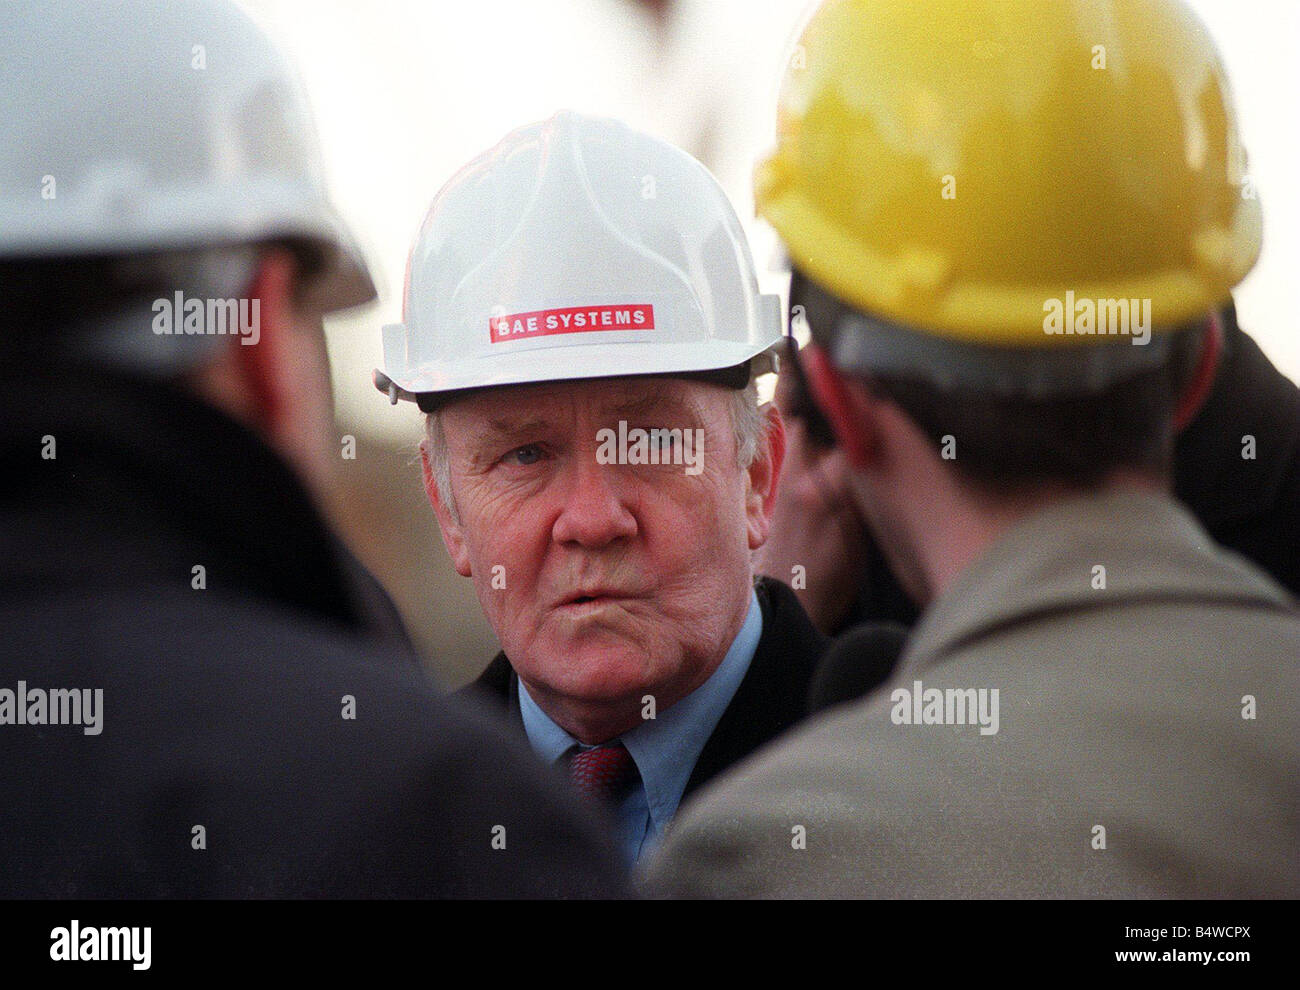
(953,165)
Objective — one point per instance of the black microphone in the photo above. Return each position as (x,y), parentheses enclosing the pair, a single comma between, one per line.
(855,663)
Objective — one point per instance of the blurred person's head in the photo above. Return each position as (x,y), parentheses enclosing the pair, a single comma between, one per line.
(163,211)
(269,370)
(939,470)
(583,328)
(996,326)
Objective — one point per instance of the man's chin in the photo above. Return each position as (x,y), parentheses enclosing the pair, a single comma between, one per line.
(595,668)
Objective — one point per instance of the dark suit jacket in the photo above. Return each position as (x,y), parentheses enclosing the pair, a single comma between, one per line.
(770,699)
(223,700)
(1250,506)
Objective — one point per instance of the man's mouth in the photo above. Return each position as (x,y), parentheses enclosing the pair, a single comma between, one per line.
(594,596)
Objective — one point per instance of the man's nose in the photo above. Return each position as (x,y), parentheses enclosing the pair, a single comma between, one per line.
(594,513)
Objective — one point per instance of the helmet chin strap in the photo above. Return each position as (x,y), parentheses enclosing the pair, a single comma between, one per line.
(1207,365)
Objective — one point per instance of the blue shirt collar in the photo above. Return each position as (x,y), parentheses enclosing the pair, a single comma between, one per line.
(667,747)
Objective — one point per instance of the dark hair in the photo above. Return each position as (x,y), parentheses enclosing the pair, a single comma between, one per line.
(1006,443)
(42,297)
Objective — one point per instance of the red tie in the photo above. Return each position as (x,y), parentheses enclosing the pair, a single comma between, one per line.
(603,772)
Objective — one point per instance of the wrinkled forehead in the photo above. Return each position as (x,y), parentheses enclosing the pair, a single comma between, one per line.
(657,400)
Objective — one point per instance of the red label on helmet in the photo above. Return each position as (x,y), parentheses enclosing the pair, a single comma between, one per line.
(575,319)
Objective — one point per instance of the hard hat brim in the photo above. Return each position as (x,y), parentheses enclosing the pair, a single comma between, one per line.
(534,365)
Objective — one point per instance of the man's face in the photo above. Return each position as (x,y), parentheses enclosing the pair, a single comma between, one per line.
(604,581)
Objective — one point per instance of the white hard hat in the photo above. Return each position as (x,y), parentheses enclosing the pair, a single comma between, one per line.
(577,248)
(158,125)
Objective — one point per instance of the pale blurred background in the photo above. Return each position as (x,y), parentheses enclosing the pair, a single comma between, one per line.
(406,91)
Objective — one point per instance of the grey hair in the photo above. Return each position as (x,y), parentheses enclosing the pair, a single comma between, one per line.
(746,426)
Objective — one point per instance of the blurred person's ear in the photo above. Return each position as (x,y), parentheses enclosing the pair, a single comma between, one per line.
(1200,382)
(844,403)
(764,473)
(453,535)
(276,378)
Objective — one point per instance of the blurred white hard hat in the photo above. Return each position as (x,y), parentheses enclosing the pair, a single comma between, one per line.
(158,125)
(577,248)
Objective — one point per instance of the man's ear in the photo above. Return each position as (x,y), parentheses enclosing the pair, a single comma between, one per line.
(267,366)
(1201,384)
(842,402)
(764,473)
(453,535)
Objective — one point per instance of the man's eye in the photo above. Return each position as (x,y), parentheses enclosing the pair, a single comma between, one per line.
(528,454)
